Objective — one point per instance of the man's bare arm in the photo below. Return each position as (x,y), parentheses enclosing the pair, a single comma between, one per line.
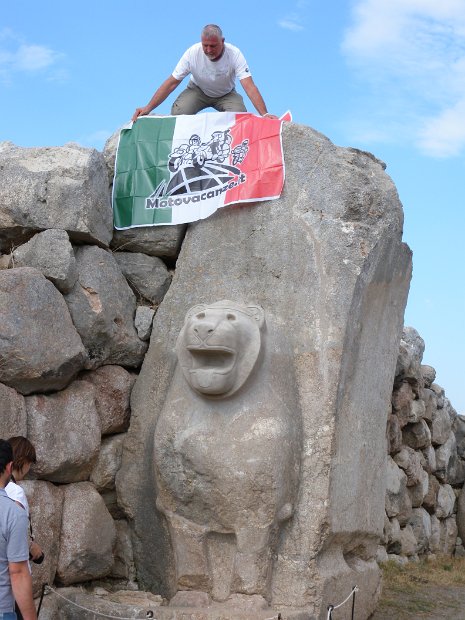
(159,96)
(255,97)
(21,584)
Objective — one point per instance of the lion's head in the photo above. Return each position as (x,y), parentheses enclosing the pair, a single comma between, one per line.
(218,346)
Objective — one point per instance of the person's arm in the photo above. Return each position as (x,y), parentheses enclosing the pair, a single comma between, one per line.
(159,96)
(255,97)
(21,584)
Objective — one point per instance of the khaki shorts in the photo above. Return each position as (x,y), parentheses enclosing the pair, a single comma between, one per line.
(193,99)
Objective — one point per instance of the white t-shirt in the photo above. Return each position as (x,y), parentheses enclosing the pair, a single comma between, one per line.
(215,77)
(15,492)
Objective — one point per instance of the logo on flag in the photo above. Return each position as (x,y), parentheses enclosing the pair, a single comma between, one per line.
(177,169)
(198,170)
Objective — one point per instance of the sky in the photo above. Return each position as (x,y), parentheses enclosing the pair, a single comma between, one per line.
(385,76)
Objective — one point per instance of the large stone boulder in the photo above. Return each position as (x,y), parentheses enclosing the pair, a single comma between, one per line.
(88,536)
(46,508)
(13,416)
(34,357)
(325,369)
(65,430)
(148,276)
(52,253)
(53,187)
(113,385)
(163,241)
(103,307)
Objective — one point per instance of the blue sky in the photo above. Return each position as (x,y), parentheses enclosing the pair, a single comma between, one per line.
(387,76)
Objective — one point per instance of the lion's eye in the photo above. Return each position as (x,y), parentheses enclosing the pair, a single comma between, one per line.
(201,315)
(231,317)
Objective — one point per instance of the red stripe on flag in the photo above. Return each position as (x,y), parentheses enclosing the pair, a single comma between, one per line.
(263,165)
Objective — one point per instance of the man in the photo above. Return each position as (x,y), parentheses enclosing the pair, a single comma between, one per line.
(15,578)
(214,66)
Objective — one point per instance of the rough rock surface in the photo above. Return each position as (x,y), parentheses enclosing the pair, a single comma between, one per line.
(53,187)
(163,241)
(52,253)
(65,429)
(324,354)
(88,535)
(13,413)
(148,276)
(113,385)
(46,508)
(102,307)
(33,357)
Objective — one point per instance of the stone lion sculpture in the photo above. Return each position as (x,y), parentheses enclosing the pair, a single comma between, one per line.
(226,455)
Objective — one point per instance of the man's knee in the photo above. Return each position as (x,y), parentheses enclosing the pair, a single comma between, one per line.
(187,102)
(232,102)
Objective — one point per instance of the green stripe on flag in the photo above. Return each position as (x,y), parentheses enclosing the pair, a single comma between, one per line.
(136,176)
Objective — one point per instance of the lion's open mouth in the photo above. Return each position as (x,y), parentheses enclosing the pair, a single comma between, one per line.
(219,359)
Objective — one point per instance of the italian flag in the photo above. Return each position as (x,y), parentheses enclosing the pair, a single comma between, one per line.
(178,169)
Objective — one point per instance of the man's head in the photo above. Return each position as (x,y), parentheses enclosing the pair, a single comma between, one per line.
(212,41)
(6,462)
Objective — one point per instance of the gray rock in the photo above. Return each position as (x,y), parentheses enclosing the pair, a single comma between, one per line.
(88,535)
(102,307)
(113,385)
(440,427)
(430,500)
(61,187)
(444,455)
(65,430)
(411,349)
(420,522)
(448,535)
(460,435)
(148,276)
(446,501)
(435,540)
(52,253)
(431,403)
(429,463)
(143,322)
(163,241)
(402,398)
(392,536)
(429,375)
(325,366)
(46,508)
(461,514)
(408,542)
(394,434)
(71,603)
(34,357)
(418,491)
(417,435)
(439,391)
(410,461)
(123,566)
(108,463)
(13,413)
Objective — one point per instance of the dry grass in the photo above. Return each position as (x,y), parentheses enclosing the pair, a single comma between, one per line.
(431,588)
(440,571)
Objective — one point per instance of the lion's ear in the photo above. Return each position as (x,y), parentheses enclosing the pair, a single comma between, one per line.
(194,310)
(257,313)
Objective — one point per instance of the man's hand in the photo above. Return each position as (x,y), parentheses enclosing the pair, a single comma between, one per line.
(141,112)
(35,550)
(268,115)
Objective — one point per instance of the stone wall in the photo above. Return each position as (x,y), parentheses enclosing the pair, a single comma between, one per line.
(77,301)
(426,466)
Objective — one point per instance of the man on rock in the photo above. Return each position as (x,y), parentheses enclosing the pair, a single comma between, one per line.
(15,578)
(214,67)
